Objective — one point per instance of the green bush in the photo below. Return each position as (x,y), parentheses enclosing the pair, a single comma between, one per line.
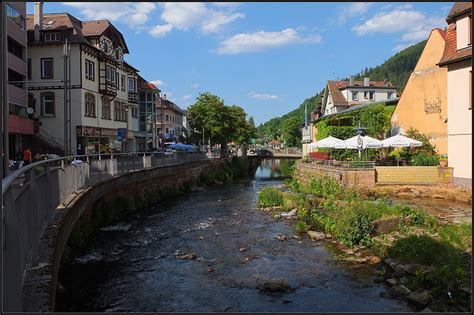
(269,197)
(357,230)
(293,201)
(302,227)
(459,236)
(421,159)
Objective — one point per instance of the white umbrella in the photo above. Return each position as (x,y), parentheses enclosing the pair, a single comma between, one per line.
(366,143)
(329,142)
(312,145)
(401,141)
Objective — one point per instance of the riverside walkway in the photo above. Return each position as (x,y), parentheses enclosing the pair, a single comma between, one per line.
(34,194)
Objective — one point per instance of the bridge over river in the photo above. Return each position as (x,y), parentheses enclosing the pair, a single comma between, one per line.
(134,265)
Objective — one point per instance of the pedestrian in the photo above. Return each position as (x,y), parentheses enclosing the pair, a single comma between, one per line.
(27,156)
(19,158)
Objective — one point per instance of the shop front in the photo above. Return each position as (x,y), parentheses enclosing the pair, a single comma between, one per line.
(92,140)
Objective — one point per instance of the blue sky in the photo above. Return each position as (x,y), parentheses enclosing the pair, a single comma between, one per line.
(266,57)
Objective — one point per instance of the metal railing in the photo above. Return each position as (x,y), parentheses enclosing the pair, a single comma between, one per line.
(343,164)
(32,193)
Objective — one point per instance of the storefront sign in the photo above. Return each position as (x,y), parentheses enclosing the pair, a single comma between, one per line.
(86,131)
(121,134)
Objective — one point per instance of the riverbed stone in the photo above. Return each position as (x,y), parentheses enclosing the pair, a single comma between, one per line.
(386,225)
(315,236)
(391,281)
(399,290)
(420,298)
(398,271)
(275,285)
(292,213)
(404,280)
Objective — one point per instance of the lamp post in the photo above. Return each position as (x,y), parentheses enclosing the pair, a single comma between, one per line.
(360,131)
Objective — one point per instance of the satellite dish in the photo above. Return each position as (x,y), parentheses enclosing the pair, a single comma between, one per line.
(30,110)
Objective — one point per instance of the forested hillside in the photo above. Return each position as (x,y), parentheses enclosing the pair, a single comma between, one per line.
(397,69)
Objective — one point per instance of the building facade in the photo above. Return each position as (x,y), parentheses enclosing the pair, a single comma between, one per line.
(149,97)
(20,122)
(457,59)
(423,104)
(341,95)
(103,90)
(170,120)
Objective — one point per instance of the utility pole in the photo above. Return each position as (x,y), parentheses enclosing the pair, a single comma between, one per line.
(5,106)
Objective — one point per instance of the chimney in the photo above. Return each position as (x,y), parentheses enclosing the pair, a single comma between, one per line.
(351,81)
(366,81)
(38,19)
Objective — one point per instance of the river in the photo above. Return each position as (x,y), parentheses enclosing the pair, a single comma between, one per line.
(132,265)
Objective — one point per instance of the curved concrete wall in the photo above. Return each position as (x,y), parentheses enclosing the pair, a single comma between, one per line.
(39,289)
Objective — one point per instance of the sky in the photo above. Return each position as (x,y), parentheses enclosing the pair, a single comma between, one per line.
(266,57)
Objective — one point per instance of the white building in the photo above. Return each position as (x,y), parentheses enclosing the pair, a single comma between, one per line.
(341,95)
(457,58)
(103,87)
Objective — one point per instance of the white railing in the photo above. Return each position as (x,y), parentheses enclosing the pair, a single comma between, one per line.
(44,134)
(32,194)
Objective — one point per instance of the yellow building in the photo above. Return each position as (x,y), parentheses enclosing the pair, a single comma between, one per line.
(423,104)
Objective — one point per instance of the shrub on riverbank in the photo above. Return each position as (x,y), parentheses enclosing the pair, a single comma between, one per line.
(269,197)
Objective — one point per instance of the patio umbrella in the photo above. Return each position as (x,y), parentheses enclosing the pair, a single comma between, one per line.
(328,143)
(401,141)
(367,143)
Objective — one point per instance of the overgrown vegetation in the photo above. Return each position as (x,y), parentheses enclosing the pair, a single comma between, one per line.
(270,197)
(419,237)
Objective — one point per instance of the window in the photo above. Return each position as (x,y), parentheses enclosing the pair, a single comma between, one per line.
(15,78)
(167,118)
(355,96)
(29,68)
(90,67)
(366,94)
(90,105)
(120,114)
(117,81)
(47,71)
(47,104)
(122,83)
(389,95)
(111,76)
(52,37)
(16,17)
(15,48)
(105,108)
(372,95)
(132,85)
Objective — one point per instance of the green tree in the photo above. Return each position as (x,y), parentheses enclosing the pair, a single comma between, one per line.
(291,132)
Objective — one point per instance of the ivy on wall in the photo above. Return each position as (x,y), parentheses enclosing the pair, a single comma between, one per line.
(375,118)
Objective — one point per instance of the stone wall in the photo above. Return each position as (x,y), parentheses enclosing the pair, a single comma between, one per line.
(348,177)
(39,289)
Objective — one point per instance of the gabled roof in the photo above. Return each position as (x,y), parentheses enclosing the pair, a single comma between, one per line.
(458,9)
(451,53)
(337,98)
(99,27)
(55,21)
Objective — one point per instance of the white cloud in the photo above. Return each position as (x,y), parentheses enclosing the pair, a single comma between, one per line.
(186,16)
(226,4)
(401,47)
(259,41)
(158,83)
(260,96)
(160,30)
(352,10)
(194,85)
(130,13)
(415,25)
(187,97)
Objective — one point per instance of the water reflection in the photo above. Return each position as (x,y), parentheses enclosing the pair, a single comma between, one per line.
(274,168)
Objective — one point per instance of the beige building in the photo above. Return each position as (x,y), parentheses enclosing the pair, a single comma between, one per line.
(169,122)
(423,104)
(457,59)
(103,88)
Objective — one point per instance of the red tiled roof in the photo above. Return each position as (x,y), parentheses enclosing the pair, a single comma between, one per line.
(335,88)
(146,86)
(458,9)
(451,53)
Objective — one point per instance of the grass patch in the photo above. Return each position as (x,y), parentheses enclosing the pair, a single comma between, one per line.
(302,227)
(269,197)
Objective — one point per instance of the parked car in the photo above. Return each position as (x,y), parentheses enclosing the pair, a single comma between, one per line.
(263,152)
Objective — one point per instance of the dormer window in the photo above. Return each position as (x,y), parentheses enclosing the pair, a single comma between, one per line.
(52,37)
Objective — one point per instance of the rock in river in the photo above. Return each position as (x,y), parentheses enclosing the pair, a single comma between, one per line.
(275,285)
(315,236)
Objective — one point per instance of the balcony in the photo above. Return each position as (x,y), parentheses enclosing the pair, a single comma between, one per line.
(17,124)
(14,31)
(17,64)
(132,98)
(17,95)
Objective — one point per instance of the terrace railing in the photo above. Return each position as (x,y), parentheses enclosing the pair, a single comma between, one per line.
(32,193)
(343,164)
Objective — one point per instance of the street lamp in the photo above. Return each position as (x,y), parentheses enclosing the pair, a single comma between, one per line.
(360,131)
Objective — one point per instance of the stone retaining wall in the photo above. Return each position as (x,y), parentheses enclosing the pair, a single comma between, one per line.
(357,177)
(39,289)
